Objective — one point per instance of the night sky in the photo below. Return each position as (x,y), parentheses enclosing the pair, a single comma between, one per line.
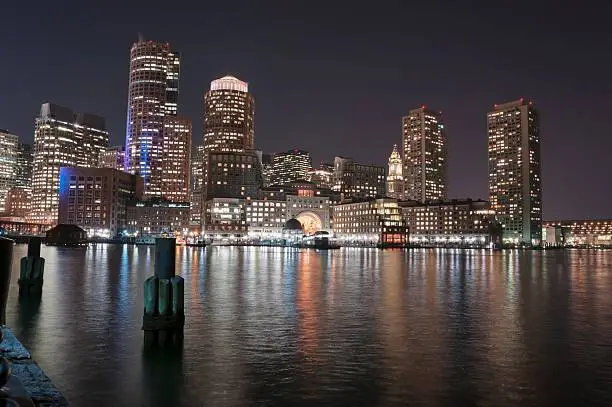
(335,77)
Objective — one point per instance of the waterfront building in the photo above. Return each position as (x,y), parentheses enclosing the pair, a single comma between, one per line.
(176,162)
(312,211)
(289,166)
(587,232)
(425,155)
(233,175)
(157,216)
(224,218)
(96,199)
(460,222)
(323,176)
(112,157)
(229,112)
(9,152)
(197,185)
(62,138)
(265,219)
(23,168)
(370,222)
(515,185)
(18,202)
(152,96)
(395,178)
(353,180)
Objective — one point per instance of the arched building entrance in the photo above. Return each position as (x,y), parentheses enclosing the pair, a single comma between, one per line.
(311,222)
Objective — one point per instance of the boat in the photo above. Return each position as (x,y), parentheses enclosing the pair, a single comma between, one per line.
(145,240)
(324,241)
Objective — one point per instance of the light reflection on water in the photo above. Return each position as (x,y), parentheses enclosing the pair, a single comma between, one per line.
(273,326)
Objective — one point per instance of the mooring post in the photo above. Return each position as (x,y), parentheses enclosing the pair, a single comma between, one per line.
(164,315)
(6,261)
(31,270)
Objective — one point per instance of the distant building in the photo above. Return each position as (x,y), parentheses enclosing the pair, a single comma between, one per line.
(289,166)
(96,199)
(358,181)
(323,176)
(395,179)
(456,222)
(197,184)
(23,168)
(158,216)
(112,157)
(266,169)
(370,222)
(61,139)
(8,161)
(152,96)
(18,202)
(233,175)
(265,219)
(425,155)
(515,184)
(587,232)
(176,160)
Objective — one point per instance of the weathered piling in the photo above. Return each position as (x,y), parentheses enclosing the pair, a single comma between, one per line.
(164,315)
(31,270)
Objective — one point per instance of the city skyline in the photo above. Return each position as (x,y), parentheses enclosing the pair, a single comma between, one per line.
(465,96)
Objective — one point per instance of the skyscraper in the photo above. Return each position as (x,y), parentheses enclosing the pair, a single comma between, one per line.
(425,157)
(229,111)
(176,159)
(395,177)
(197,185)
(23,169)
(62,139)
(515,184)
(289,166)
(8,161)
(153,95)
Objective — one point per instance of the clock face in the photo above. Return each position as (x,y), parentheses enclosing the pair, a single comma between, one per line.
(310,222)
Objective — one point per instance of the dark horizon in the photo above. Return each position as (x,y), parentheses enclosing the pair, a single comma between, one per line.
(337,80)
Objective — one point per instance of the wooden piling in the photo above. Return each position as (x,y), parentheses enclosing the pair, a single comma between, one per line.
(164,316)
(31,271)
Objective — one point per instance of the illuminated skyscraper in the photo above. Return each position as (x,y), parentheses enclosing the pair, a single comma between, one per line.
(153,95)
(8,161)
(62,139)
(395,178)
(177,159)
(358,181)
(425,157)
(197,185)
(515,184)
(23,169)
(229,111)
(289,166)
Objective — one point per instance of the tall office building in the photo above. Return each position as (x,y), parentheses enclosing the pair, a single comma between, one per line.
(395,177)
(62,139)
(153,95)
(197,185)
(233,175)
(515,184)
(112,157)
(23,168)
(229,111)
(425,157)
(8,161)
(176,159)
(354,180)
(289,166)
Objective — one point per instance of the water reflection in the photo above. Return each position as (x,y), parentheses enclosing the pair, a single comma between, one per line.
(273,326)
